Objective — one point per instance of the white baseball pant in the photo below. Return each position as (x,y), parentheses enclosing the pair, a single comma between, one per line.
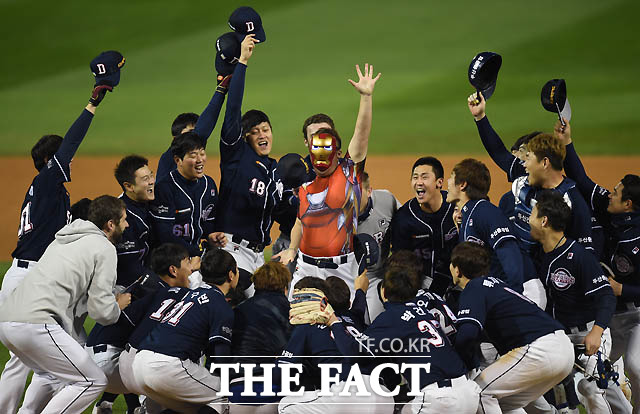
(181,385)
(311,403)
(47,348)
(461,397)
(107,358)
(347,271)
(525,373)
(15,373)
(625,341)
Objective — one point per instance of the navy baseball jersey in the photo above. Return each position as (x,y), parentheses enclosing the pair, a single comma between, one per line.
(286,212)
(133,249)
(206,122)
(578,289)
(184,211)
(509,319)
(422,341)
(484,224)
(131,317)
(580,226)
(46,207)
(249,188)
(440,310)
(507,205)
(355,316)
(193,326)
(432,236)
(621,232)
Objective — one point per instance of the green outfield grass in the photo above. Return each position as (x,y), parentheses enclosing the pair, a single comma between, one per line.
(422,48)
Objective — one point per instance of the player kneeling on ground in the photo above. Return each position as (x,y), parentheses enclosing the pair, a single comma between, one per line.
(166,364)
(535,352)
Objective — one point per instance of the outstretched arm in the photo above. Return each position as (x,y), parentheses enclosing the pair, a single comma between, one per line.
(360,140)
(209,117)
(508,162)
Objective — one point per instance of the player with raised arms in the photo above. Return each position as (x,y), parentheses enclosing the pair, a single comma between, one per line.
(328,213)
(46,206)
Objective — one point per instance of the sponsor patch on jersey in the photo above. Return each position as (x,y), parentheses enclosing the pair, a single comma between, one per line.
(622,264)
(562,279)
(470,222)
(635,250)
(570,255)
(213,192)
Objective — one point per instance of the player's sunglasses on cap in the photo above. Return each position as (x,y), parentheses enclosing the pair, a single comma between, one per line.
(106,67)
(483,72)
(227,53)
(554,99)
(245,21)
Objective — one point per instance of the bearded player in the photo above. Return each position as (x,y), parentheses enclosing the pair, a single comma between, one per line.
(329,205)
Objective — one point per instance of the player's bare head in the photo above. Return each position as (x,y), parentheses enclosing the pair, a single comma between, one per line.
(136,178)
(338,294)
(311,282)
(550,211)
(315,122)
(323,149)
(271,276)
(628,198)
(519,148)
(400,284)
(183,123)
(169,259)
(109,215)
(189,154)
(186,143)
(45,149)
(217,267)
(427,177)
(80,209)
(470,259)
(473,176)
(545,153)
(403,259)
(257,131)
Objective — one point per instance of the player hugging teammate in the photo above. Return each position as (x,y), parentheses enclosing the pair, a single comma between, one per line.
(447,303)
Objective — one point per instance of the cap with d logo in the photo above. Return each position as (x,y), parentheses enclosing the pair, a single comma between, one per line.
(483,72)
(245,21)
(227,53)
(554,98)
(292,170)
(366,250)
(106,67)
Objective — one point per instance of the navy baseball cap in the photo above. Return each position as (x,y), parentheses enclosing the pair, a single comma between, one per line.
(483,72)
(227,53)
(245,21)
(554,98)
(366,250)
(292,170)
(106,67)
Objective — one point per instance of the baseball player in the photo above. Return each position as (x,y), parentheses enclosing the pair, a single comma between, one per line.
(202,125)
(165,365)
(535,352)
(46,209)
(407,318)
(261,330)
(249,189)
(327,216)
(425,224)
(375,219)
(137,182)
(76,276)
(482,222)
(581,298)
(105,343)
(317,341)
(617,211)
(184,207)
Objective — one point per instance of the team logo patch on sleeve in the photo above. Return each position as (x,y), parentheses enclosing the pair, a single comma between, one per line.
(622,264)
(635,250)
(562,279)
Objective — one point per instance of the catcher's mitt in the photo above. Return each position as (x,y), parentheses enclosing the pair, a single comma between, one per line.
(309,306)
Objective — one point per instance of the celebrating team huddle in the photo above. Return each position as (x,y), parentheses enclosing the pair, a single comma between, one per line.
(448,303)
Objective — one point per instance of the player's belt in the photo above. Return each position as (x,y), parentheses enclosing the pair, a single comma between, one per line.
(99,348)
(24,264)
(444,383)
(325,263)
(256,247)
(578,328)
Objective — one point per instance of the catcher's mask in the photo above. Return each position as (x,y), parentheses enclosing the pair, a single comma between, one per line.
(323,148)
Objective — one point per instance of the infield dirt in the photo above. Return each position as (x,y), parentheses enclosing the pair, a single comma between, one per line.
(93,176)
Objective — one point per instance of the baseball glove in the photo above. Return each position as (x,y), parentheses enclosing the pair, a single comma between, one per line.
(309,306)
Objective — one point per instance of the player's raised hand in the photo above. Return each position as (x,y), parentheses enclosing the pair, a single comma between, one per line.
(366,82)
(477,105)
(562,132)
(123,299)
(246,48)
(285,257)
